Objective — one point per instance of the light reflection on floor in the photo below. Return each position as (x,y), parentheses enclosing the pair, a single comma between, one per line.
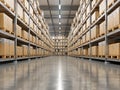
(59,73)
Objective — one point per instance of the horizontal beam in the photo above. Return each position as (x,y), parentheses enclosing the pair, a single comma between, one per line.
(62,25)
(63,7)
(62,17)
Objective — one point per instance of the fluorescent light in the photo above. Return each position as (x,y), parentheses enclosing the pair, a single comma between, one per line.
(59,27)
(59,6)
(59,23)
(59,16)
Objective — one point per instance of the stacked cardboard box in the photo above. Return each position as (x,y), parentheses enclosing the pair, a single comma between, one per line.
(6,23)
(20,11)
(102,7)
(9,3)
(19,31)
(114,50)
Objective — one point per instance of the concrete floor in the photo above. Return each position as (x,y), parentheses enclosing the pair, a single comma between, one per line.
(59,73)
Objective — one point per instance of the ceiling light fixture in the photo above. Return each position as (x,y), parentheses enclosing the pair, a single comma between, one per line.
(59,28)
(59,16)
(59,7)
(59,23)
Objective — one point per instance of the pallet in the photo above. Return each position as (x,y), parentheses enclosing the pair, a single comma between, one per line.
(8,6)
(111,3)
(20,18)
(101,13)
(6,30)
(94,55)
(19,56)
(25,38)
(6,56)
(101,56)
(19,36)
(101,34)
(114,57)
(93,38)
(114,28)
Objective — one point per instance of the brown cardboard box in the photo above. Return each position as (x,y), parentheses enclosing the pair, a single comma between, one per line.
(26,17)
(19,31)
(94,2)
(4,47)
(102,7)
(94,32)
(20,11)
(11,46)
(6,23)
(95,51)
(25,50)
(102,28)
(9,3)
(25,34)
(116,17)
(95,15)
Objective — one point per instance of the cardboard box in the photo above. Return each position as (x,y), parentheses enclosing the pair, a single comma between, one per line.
(114,49)
(95,15)
(9,3)
(20,11)
(102,7)
(25,34)
(12,48)
(6,23)
(94,2)
(95,32)
(4,47)
(26,17)
(19,31)
(102,28)
(95,51)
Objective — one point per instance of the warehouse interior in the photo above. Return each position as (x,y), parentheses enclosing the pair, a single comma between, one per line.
(59,44)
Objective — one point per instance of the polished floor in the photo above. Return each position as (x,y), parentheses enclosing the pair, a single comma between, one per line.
(59,73)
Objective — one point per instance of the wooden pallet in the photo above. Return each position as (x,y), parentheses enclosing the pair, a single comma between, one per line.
(111,3)
(6,30)
(19,56)
(20,18)
(101,34)
(93,38)
(101,14)
(19,36)
(6,56)
(101,56)
(12,56)
(24,38)
(114,28)
(114,57)
(94,55)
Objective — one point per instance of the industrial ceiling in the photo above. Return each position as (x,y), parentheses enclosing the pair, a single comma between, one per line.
(59,15)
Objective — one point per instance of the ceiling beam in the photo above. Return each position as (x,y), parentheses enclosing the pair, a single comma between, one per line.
(63,7)
(66,34)
(51,15)
(62,25)
(62,17)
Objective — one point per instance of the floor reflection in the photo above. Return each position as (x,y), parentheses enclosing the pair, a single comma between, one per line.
(59,73)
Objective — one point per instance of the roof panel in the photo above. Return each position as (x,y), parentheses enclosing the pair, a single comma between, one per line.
(66,2)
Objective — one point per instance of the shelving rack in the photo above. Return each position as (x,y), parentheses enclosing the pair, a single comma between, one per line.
(75,37)
(60,46)
(47,43)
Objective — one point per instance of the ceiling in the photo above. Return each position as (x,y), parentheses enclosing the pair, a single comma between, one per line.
(59,25)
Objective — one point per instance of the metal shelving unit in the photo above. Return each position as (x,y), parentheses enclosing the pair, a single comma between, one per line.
(105,37)
(17,20)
